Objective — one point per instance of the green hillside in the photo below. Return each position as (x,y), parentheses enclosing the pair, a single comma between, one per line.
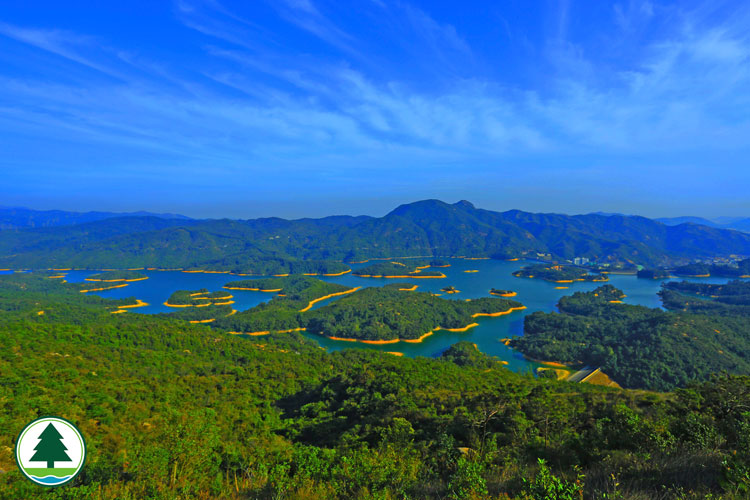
(423,229)
(173,410)
(636,346)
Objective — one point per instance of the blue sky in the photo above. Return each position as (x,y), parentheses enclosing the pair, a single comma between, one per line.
(313,107)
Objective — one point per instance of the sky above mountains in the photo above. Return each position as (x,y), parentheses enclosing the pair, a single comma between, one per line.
(311,107)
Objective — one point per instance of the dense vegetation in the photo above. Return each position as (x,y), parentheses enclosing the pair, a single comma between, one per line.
(439,263)
(636,346)
(730,299)
(171,410)
(653,274)
(110,276)
(558,273)
(285,310)
(427,229)
(742,269)
(197,298)
(295,292)
(389,312)
(398,269)
(374,313)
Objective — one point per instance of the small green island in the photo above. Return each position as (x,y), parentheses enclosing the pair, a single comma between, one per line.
(396,269)
(654,274)
(115,276)
(702,270)
(199,306)
(502,293)
(198,298)
(439,263)
(558,273)
(450,290)
(696,270)
(108,280)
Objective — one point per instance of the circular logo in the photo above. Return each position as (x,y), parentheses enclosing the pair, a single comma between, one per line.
(50,451)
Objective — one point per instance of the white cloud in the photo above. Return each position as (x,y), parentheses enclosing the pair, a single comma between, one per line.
(684,93)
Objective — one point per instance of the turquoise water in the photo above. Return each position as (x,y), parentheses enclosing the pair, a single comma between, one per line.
(536,295)
(51,480)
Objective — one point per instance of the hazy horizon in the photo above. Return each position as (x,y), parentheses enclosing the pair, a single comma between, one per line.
(292,215)
(297,108)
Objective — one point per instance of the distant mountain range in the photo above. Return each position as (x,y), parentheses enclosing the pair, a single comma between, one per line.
(738,223)
(424,228)
(19,217)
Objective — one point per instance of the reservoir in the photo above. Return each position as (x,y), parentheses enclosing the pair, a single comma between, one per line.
(535,294)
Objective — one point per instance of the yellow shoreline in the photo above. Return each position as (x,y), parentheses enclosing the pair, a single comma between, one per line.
(104,288)
(117,281)
(471,271)
(315,301)
(139,303)
(197,296)
(409,289)
(458,330)
(389,258)
(501,313)
(420,339)
(328,274)
(549,363)
(251,289)
(268,332)
(511,294)
(413,276)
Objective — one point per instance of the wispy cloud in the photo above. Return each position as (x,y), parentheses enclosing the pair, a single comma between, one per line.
(250,102)
(61,43)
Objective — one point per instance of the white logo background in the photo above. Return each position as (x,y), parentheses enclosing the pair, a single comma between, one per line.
(71,438)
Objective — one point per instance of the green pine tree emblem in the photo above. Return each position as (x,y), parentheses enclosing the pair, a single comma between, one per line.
(50,448)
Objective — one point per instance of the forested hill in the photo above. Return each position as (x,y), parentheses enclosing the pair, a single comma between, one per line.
(424,228)
(173,410)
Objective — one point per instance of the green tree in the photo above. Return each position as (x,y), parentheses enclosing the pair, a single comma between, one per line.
(50,448)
